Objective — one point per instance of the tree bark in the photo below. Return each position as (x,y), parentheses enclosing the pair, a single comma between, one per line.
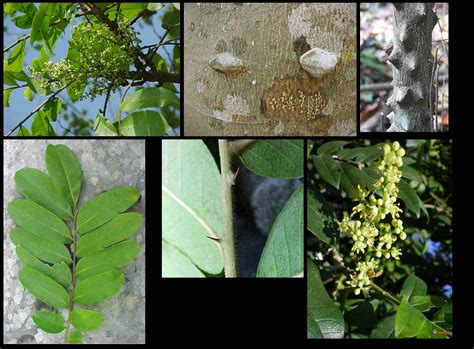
(264,90)
(412,65)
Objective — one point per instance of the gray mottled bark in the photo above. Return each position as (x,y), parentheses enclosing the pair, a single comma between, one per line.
(243,76)
(412,64)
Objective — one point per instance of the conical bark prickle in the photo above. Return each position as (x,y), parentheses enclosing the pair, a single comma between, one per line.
(412,64)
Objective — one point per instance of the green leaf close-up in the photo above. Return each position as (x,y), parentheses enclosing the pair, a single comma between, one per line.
(276,158)
(197,207)
(206,188)
(72,251)
(324,320)
(283,254)
(49,322)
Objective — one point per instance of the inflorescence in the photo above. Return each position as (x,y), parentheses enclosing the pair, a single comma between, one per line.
(95,53)
(374,223)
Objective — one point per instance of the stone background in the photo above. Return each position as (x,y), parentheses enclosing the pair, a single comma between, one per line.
(105,164)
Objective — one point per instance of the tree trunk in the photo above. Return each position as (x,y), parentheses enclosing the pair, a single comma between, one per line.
(243,76)
(412,65)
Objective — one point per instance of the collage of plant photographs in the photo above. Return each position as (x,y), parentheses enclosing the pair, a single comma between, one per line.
(306,144)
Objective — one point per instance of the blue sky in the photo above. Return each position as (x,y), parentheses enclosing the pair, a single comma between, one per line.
(21,107)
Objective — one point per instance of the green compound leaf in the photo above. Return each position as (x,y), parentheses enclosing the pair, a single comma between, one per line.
(324,320)
(46,250)
(150,97)
(410,322)
(17,56)
(49,322)
(27,93)
(44,288)
(192,207)
(322,220)
(38,187)
(58,272)
(104,207)
(98,287)
(75,337)
(144,123)
(177,263)
(6,98)
(283,254)
(117,229)
(421,303)
(413,286)
(154,6)
(330,147)
(25,21)
(23,132)
(65,171)
(86,320)
(52,108)
(103,126)
(385,328)
(116,256)
(351,177)
(275,158)
(41,125)
(409,197)
(328,169)
(41,21)
(38,220)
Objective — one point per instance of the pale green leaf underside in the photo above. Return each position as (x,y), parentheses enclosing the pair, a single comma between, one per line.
(116,256)
(275,158)
(98,287)
(191,204)
(49,322)
(323,316)
(43,249)
(58,272)
(65,171)
(44,288)
(117,229)
(176,264)
(104,207)
(86,320)
(283,254)
(38,187)
(38,220)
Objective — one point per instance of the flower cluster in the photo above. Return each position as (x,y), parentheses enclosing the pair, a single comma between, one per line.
(374,223)
(97,55)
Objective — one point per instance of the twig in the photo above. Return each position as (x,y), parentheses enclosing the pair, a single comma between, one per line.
(154,76)
(227,240)
(16,43)
(435,58)
(14,87)
(37,108)
(387,85)
(107,99)
(386,295)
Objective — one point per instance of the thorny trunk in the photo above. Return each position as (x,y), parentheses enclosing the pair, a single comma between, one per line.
(266,91)
(412,64)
